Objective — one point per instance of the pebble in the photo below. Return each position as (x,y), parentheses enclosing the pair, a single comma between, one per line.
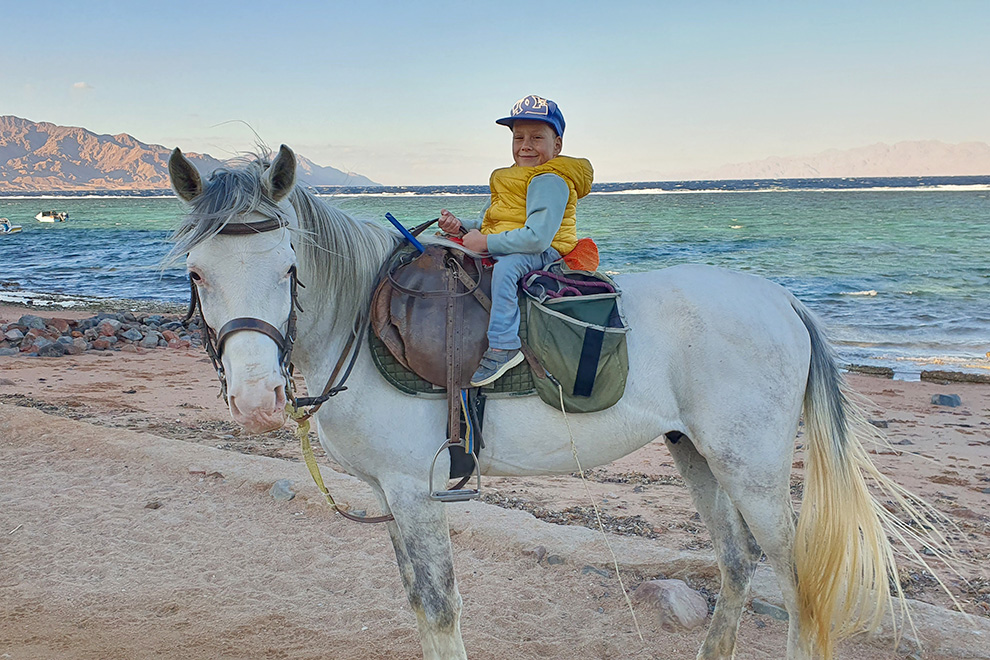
(282,491)
(675,605)
(762,607)
(121,331)
(586,570)
(950,400)
(540,552)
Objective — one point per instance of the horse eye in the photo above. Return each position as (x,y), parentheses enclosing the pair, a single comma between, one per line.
(194,276)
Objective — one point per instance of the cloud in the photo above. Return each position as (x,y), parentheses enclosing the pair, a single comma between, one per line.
(81,85)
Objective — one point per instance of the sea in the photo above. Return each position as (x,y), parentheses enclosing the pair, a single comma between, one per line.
(898,269)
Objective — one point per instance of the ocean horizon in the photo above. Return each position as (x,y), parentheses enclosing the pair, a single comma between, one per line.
(896,267)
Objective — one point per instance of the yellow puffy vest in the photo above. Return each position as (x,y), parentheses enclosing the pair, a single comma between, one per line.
(508,207)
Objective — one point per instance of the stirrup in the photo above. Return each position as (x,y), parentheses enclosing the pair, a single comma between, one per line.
(456,494)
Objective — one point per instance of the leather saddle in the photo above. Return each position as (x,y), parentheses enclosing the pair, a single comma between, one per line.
(431,312)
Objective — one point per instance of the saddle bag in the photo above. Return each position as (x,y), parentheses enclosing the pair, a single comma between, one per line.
(578,332)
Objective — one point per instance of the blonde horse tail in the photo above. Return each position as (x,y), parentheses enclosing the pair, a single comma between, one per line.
(843,558)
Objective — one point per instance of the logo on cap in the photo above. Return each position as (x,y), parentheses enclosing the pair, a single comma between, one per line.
(531,105)
(536,108)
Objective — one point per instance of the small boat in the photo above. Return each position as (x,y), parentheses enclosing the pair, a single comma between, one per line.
(7,228)
(52,216)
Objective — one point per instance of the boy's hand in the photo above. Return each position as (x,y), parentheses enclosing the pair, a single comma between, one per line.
(448,222)
(475,241)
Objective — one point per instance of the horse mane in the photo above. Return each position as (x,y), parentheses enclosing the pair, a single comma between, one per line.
(338,254)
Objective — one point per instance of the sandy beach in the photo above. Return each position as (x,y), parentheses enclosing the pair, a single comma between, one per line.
(136,522)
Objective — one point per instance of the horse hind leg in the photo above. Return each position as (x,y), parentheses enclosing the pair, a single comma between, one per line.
(421,539)
(758,489)
(735,547)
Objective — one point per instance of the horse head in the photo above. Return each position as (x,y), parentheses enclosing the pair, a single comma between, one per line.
(243,270)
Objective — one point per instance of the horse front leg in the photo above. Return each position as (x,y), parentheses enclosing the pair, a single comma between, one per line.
(421,538)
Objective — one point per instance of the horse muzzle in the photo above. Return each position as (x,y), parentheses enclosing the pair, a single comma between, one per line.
(256,388)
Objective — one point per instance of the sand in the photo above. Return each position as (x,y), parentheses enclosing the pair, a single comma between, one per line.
(136,522)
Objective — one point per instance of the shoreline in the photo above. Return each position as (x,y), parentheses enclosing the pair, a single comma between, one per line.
(77,308)
(947,368)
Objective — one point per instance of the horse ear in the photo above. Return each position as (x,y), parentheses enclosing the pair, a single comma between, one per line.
(186,181)
(281,176)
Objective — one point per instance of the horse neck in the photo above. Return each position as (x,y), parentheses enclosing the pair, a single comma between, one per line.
(338,260)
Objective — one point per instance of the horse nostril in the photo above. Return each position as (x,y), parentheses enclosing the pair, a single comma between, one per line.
(280,399)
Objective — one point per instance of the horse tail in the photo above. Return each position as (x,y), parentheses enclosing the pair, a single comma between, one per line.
(843,558)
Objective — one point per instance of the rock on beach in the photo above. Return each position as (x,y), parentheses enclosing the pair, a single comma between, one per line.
(54,337)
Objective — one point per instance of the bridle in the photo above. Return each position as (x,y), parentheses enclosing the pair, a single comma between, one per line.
(213,341)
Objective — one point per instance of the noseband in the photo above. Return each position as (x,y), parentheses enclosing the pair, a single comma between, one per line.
(214,341)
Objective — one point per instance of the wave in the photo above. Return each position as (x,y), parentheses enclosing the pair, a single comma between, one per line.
(863,184)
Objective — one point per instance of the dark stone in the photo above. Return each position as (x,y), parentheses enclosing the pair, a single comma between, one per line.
(41,342)
(131,335)
(52,350)
(954,377)
(950,400)
(879,423)
(555,559)
(884,372)
(151,340)
(31,321)
(762,607)
(597,571)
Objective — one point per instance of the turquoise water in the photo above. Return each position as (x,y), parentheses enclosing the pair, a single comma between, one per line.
(900,277)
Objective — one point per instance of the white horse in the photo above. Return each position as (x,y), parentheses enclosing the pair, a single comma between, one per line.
(722,365)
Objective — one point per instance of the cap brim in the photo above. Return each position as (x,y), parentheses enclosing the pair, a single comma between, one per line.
(509,121)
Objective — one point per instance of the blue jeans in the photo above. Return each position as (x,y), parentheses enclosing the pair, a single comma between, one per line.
(503,326)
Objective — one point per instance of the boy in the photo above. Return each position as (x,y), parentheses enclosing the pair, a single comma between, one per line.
(529,222)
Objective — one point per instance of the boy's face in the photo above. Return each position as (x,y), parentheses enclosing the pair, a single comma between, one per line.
(534,142)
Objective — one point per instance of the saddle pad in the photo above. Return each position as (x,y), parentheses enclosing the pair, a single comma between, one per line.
(517,382)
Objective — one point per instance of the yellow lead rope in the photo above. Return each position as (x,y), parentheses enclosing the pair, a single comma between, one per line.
(302,432)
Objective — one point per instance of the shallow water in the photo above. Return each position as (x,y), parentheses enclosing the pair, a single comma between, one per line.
(900,277)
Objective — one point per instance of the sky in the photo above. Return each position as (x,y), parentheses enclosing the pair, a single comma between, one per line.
(406,93)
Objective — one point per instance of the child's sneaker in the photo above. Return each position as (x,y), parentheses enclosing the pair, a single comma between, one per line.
(494,363)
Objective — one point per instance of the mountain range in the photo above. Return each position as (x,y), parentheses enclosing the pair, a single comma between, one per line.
(40,156)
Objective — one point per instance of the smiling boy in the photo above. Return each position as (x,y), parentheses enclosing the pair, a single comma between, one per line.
(529,223)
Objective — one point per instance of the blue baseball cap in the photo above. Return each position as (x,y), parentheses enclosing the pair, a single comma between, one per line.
(535,108)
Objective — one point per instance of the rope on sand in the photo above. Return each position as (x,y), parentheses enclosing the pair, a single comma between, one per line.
(598,514)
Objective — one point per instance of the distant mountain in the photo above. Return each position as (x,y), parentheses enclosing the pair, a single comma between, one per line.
(40,156)
(919,158)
